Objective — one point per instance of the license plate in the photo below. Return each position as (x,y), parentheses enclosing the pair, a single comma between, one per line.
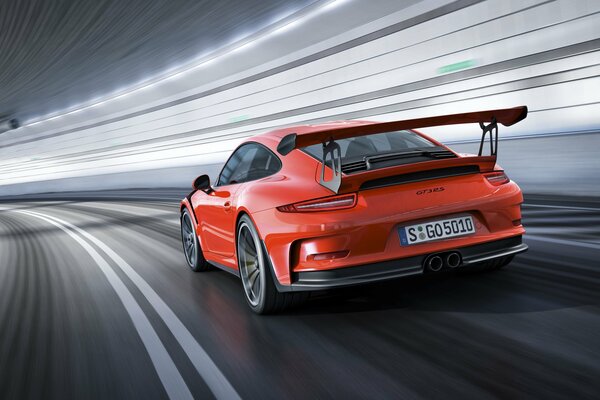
(435,230)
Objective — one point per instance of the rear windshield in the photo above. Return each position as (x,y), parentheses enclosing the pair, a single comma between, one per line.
(357,148)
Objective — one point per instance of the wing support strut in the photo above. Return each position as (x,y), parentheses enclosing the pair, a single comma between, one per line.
(332,151)
(492,128)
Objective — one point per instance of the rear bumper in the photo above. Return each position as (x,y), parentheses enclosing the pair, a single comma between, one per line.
(370,230)
(327,279)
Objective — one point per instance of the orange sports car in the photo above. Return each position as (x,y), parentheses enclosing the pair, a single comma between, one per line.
(323,206)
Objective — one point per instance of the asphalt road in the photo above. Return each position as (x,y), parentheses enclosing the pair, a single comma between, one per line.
(96,301)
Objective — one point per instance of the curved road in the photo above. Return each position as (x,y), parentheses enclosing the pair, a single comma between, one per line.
(96,301)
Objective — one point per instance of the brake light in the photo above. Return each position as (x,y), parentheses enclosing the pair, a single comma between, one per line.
(326,204)
(497,178)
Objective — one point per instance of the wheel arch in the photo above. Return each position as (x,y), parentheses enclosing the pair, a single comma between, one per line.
(241,212)
(269,261)
(186,204)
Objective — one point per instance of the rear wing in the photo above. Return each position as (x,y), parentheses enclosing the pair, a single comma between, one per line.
(506,117)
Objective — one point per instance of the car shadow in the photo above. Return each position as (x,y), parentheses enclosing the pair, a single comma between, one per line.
(519,288)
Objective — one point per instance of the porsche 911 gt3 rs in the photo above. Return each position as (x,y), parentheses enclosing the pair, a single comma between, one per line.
(324,206)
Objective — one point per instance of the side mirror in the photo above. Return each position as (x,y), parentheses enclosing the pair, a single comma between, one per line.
(202,183)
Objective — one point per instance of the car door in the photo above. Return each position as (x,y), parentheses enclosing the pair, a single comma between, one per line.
(217,211)
(214,214)
(249,162)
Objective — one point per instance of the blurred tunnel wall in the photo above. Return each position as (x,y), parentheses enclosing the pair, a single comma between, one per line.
(359,60)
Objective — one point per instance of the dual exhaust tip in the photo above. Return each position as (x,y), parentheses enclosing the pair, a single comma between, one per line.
(436,262)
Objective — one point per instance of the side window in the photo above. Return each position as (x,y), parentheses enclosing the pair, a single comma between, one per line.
(249,162)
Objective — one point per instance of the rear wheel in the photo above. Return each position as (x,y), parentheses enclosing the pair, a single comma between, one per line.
(259,289)
(191,246)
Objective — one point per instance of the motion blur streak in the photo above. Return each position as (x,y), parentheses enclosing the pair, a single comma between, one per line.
(528,330)
(359,60)
(167,372)
(202,362)
(96,299)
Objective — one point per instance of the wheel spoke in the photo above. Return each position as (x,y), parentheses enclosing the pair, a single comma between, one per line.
(256,286)
(251,267)
(251,252)
(185,225)
(253,276)
(250,263)
(249,244)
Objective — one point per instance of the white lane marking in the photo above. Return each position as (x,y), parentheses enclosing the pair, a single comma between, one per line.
(214,378)
(124,209)
(170,377)
(561,207)
(561,241)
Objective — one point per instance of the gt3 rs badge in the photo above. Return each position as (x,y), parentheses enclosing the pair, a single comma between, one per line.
(430,190)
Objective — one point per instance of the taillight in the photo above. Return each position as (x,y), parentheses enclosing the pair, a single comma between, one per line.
(497,178)
(326,204)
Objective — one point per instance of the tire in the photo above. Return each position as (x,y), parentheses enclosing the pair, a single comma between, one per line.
(191,245)
(260,291)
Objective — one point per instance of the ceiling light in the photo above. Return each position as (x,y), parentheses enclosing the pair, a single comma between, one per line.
(171,74)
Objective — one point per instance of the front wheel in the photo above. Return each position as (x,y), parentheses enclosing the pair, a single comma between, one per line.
(191,246)
(259,289)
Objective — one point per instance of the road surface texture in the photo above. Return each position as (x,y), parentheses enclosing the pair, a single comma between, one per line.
(97,302)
